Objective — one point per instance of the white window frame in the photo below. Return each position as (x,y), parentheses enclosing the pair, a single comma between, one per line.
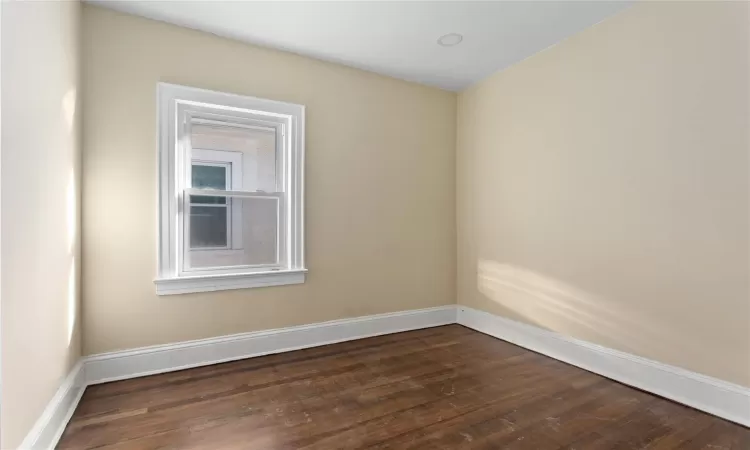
(179,107)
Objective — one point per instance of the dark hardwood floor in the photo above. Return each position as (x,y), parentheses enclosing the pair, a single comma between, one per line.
(440,388)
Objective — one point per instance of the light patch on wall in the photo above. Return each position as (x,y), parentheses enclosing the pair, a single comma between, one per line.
(69,107)
(72,303)
(557,306)
(71,209)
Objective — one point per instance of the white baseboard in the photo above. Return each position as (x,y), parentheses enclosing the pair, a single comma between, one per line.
(50,426)
(717,397)
(166,358)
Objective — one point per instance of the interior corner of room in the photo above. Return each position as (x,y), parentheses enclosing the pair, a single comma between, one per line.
(582,195)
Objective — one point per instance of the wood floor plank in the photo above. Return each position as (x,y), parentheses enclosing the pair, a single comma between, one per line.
(440,388)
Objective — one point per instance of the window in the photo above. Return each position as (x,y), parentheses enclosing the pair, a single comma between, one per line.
(230,191)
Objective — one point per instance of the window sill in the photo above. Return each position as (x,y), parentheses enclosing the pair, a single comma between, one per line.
(210,283)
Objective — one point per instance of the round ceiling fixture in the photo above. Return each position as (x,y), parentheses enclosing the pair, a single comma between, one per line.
(451,39)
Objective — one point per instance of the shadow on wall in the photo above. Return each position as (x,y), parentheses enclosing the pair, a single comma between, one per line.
(559,307)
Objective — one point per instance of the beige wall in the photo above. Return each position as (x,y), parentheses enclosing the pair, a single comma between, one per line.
(380,183)
(603,187)
(40,185)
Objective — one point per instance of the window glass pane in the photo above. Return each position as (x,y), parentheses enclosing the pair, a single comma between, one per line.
(209,177)
(256,147)
(252,240)
(208,226)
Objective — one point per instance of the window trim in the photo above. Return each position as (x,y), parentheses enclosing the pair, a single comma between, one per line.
(172,102)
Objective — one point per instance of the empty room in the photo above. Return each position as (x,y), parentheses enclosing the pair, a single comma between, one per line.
(374,225)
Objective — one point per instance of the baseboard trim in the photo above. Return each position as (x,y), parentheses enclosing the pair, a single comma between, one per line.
(720,398)
(49,427)
(115,366)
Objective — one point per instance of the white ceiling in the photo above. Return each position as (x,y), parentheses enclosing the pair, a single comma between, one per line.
(395,38)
